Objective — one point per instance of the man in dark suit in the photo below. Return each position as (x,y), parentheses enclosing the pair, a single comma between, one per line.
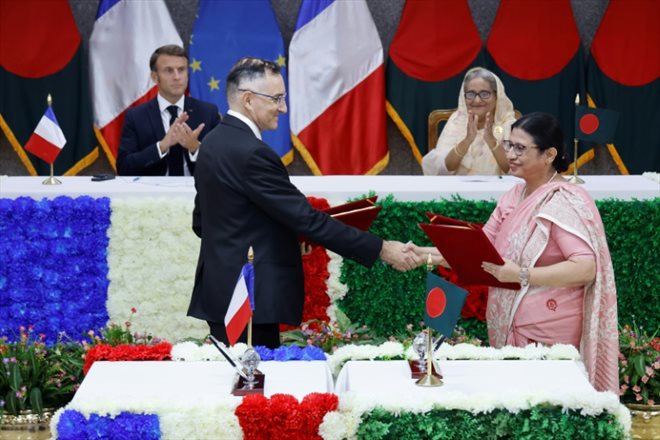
(244,198)
(161,137)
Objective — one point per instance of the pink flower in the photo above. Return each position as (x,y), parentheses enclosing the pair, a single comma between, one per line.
(636,389)
(645,378)
(650,402)
(649,371)
(626,379)
(638,397)
(656,365)
(624,387)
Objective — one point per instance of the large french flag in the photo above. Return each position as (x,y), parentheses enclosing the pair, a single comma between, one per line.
(241,304)
(48,139)
(124,36)
(337,88)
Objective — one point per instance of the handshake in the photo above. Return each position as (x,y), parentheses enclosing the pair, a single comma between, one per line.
(408,256)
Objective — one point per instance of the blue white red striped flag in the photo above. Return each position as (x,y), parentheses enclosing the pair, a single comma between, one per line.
(48,139)
(337,88)
(124,36)
(241,304)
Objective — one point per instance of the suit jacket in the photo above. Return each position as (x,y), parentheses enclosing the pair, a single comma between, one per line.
(143,128)
(244,198)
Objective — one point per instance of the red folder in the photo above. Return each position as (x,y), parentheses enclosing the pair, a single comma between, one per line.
(359,214)
(438,219)
(465,248)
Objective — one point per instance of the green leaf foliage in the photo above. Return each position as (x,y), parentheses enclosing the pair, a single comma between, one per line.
(539,423)
(387,300)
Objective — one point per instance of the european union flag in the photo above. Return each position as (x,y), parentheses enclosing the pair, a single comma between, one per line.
(444,302)
(224,32)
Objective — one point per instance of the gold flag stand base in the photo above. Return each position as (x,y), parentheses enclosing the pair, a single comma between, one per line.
(51,179)
(574,178)
(430,379)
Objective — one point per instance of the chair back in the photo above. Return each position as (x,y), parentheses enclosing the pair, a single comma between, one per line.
(442,115)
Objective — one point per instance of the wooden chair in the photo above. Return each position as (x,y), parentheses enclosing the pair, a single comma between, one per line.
(438,116)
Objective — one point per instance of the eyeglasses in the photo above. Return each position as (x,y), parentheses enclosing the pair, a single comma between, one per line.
(518,149)
(277,99)
(484,95)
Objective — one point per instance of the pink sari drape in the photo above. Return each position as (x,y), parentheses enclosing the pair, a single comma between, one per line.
(520,231)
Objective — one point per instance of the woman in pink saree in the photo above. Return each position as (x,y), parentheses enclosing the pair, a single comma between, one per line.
(552,239)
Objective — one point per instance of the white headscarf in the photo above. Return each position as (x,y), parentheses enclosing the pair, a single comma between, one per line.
(478,159)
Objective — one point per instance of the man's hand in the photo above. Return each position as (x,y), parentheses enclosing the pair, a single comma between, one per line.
(394,253)
(170,138)
(185,136)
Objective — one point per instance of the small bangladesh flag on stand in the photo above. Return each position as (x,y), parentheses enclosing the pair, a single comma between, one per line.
(595,124)
(444,302)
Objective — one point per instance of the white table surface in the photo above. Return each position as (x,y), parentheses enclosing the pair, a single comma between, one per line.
(336,189)
(189,382)
(387,380)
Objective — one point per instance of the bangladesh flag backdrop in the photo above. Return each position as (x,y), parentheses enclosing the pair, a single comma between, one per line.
(623,74)
(41,54)
(435,44)
(534,47)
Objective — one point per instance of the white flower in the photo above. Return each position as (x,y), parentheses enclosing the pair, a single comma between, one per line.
(152,266)
(339,426)
(361,352)
(336,290)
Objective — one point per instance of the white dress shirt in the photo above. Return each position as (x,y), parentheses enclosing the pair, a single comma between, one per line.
(165,117)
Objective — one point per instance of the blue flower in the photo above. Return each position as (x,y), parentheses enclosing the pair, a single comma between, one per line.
(312,353)
(265,353)
(52,256)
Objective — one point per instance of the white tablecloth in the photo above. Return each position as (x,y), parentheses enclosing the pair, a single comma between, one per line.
(190,382)
(336,189)
(390,380)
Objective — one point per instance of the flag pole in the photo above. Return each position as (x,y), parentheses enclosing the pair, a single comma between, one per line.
(574,178)
(249,329)
(430,379)
(51,180)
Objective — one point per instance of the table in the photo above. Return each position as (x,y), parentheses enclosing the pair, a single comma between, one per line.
(390,381)
(189,382)
(337,189)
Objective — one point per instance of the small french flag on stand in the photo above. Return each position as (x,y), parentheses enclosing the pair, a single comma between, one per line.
(48,139)
(241,304)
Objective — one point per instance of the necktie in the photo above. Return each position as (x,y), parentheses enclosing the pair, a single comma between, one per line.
(175,156)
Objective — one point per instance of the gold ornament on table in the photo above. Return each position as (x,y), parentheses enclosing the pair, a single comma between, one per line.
(574,178)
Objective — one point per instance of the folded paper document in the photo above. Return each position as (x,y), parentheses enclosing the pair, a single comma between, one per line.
(465,246)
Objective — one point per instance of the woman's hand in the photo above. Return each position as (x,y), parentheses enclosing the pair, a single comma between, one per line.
(509,272)
(489,136)
(472,128)
(422,254)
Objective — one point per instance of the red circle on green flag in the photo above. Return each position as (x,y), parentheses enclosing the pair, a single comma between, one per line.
(436,302)
(589,123)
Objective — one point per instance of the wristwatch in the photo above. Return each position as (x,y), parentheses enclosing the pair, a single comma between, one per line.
(524,276)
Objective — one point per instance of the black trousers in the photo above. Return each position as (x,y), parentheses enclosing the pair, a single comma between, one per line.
(262,334)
